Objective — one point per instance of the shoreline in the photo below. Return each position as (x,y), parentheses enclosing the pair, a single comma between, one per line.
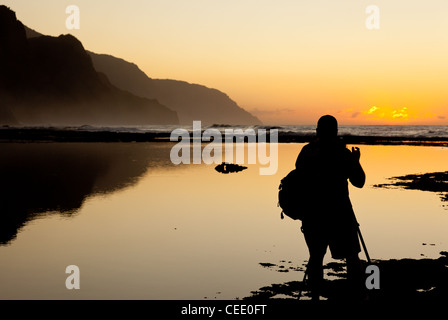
(416,280)
(14,134)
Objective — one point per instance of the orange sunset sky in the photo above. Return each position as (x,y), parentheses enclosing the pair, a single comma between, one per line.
(286,61)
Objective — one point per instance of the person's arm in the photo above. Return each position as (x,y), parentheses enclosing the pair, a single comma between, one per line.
(357,175)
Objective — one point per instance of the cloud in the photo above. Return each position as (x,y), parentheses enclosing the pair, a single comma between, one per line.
(389,113)
(400,114)
(372,110)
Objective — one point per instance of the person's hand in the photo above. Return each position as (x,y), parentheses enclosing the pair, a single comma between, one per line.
(356,153)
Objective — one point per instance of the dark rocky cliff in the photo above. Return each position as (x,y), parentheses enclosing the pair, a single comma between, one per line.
(52,81)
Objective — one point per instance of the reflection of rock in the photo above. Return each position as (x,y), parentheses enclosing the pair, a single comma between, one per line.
(400,280)
(229,167)
(37,178)
(435,182)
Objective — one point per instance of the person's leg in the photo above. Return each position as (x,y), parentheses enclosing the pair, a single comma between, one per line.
(317,247)
(344,244)
(355,277)
(315,274)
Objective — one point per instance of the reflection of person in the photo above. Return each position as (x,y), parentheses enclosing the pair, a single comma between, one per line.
(325,165)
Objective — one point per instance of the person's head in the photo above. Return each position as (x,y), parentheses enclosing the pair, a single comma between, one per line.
(327,127)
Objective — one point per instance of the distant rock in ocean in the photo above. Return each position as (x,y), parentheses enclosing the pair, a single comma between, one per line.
(52,81)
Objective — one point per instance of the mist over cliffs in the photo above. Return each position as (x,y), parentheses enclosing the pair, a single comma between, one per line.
(190,101)
(48,80)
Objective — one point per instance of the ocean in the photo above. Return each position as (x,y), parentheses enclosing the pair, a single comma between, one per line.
(406,131)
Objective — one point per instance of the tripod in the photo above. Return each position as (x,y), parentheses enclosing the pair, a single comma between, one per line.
(363,246)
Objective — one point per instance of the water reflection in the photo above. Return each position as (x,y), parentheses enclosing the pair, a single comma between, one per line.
(45,178)
(186,231)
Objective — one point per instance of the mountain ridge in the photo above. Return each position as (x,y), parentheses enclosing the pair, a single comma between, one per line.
(47,80)
(190,101)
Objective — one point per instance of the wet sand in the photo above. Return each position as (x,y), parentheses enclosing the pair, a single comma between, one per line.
(409,280)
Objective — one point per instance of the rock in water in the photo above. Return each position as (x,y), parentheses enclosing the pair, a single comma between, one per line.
(229,167)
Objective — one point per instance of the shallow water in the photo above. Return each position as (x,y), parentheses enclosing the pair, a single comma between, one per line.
(139,227)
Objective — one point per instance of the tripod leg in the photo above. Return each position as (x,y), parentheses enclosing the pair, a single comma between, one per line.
(363,244)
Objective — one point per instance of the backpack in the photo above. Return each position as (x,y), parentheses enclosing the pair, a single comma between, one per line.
(291,197)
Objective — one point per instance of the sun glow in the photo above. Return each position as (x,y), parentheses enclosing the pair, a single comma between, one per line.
(390,113)
(386,114)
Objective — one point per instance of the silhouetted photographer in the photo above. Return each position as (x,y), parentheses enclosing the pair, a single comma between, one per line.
(325,166)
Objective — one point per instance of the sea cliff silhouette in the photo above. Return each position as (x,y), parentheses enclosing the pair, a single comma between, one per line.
(190,101)
(48,80)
